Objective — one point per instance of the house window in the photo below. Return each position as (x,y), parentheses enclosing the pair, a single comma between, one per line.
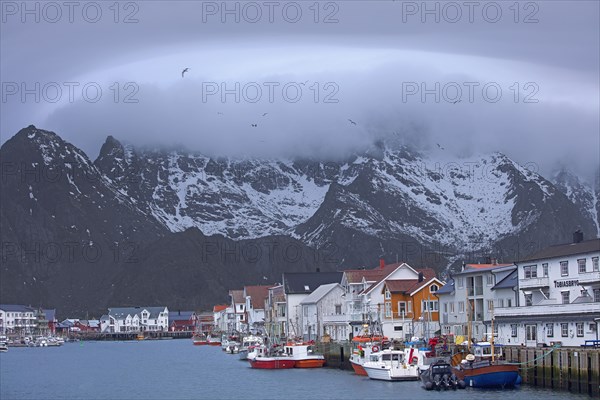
(597,295)
(401,308)
(409,306)
(513,330)
(460,283)
(545,270)
(388,295)
(564,330)
(550,330)
(592,327)
(431,305)
(434,288)
(508,302)
(461,306)
(452,307)
(581,263)
(530,271)
(595,266)
(490,305)
(500,303)
(489,279)
(565,297)
(528,299)
(305,311)
(338,309)
(446,308)
(388,309)
(564,268)
(580,329)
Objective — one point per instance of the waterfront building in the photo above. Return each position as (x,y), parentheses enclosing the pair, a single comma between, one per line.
(322,314)
(275,312)
(238,322)
(472,295)
(558,297)
(182,321)
(256,297)
(135,319)
(17,319)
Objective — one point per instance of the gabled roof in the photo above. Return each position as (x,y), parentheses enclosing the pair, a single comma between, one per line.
(123,312)
(180,315)
(220,307)
(319,293)
(510,281)
(401,285)
(448,288)
(370,275)
(15,308)
(473,268)
(428,273)
(563,250)
(307,282)
(258,295)
(237,296)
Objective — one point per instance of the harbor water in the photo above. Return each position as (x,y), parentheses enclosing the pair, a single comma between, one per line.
(165,369)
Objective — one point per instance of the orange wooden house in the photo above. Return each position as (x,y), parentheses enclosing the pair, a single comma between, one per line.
(411,307)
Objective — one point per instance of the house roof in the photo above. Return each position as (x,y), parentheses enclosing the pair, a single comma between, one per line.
(370,275)
(563,250)
(319,293)
(237,296)
(448,288)
(123,312)
(181,315)
(307,282)
(258,295)
(15,308)
(472,268)
(50,315)
(428,273)
(401,285)
(220,307)
(510,281)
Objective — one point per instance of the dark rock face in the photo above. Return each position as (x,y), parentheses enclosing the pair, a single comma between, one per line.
(133,226)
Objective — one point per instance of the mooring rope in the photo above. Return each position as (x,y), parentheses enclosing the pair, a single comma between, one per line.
(535,359)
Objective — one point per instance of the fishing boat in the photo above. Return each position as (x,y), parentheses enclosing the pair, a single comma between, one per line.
(140,336)
(441,376)
(362,347)
(486,367)
(391,365)
(273,362)
(213,341)
(248,343)
(304,356)
(3,346)
(255,351)
(199,339)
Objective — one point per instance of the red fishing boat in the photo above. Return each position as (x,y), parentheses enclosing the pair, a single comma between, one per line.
(304,357)
(199,340)
(275,362)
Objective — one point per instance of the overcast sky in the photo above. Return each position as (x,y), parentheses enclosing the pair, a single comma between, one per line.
(365,61)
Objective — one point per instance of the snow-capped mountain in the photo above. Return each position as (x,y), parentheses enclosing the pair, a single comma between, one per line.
(390,201)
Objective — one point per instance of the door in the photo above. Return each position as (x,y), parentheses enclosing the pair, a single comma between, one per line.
(531,335)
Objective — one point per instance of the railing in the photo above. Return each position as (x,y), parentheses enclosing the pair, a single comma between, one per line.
(548,309)
(589,277)
(529,283)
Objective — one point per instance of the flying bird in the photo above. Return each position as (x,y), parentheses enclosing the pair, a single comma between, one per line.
(264,114)
(352,122)
(219,113)
(184,71)
(438,145)
(254,125)
(303,83)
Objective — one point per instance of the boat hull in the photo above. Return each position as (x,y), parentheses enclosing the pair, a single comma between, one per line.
(358,369)
(384,374)
(491,376)
(214,343)
(314,363)
(272,363)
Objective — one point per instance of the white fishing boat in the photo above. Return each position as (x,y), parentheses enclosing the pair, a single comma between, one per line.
(391,365)
(248,343)
(3,344)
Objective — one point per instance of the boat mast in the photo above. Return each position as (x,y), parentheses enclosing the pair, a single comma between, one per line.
(492,341)
(468,320)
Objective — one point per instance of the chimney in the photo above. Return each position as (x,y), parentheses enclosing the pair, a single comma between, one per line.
(577,236)
(381,263)
(494,261)
(421,277)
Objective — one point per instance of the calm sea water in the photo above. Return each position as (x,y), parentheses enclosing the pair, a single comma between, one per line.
(176,369)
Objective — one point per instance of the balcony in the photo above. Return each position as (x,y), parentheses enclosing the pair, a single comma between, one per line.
(533,283)
(589,278)
(545,310)
(335,318)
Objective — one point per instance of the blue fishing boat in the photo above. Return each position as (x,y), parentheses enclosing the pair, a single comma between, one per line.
(487,369)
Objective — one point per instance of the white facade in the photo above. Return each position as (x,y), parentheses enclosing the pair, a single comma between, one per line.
(135,319)
(559,299)
(472,296)
(17,319)
(323,313)
(256,317)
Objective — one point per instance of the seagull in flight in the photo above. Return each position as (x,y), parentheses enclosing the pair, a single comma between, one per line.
(184,71)
(438,145)
(352,122)
(254,125)
(219,113)
(264,114)
(303,83)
